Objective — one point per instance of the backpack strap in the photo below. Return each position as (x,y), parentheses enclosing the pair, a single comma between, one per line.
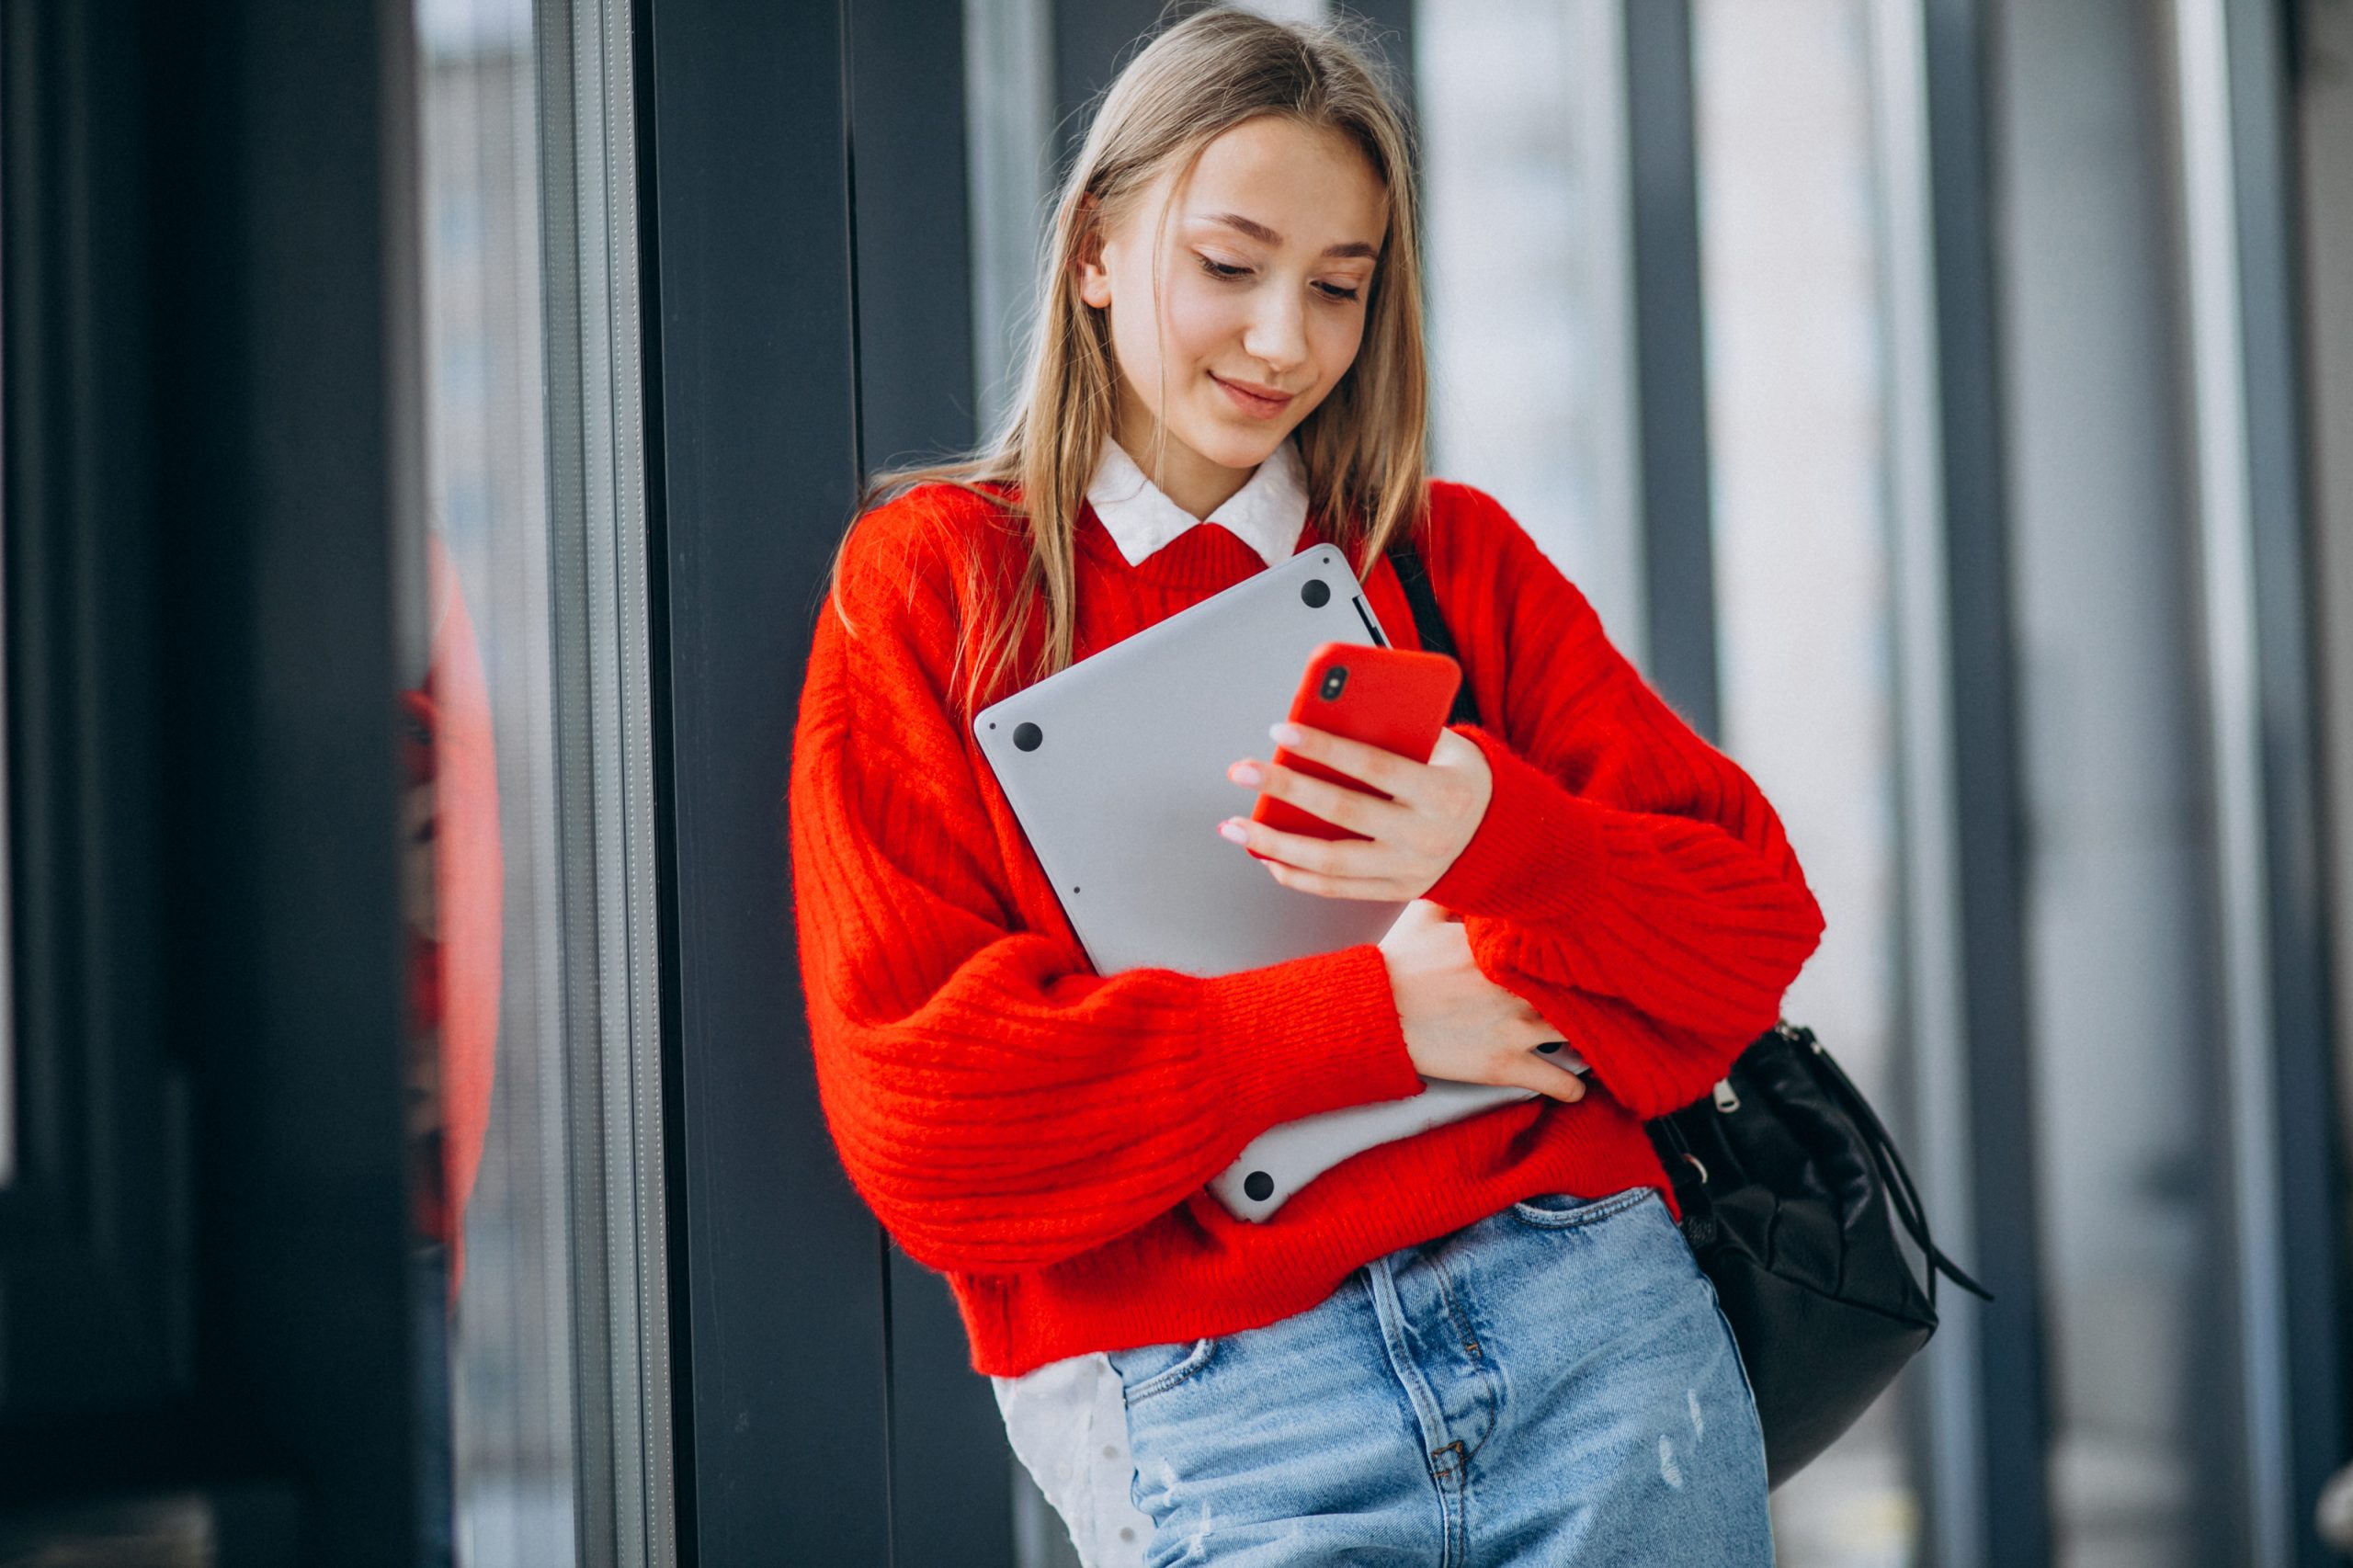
(1428,623)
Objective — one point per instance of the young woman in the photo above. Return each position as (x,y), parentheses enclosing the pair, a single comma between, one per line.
(1486,1343)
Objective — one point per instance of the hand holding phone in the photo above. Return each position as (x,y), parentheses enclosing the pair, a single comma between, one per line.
(1391,697)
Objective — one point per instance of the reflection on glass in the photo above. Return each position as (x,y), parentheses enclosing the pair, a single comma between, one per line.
(2119,916)
(1797,420)
(1285,10)
(1009,136)
(560,1335)
(2326,129)
(512,1328)
(1521,122)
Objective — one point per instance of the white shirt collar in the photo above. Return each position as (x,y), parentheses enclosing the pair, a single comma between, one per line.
(1265,514)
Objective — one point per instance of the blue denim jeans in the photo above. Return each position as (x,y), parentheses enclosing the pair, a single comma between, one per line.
(1552,1385)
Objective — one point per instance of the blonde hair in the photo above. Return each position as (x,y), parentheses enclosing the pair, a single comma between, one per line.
(1364,446)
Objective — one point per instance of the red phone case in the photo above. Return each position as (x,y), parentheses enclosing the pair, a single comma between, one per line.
(1392,698)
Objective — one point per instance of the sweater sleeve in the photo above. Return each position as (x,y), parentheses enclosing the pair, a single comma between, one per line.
(997,1104)
(1627,881)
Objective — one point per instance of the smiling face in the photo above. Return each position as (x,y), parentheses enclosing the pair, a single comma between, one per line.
(1265,263)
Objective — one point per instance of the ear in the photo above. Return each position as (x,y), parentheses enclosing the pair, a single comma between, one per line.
(1094,280)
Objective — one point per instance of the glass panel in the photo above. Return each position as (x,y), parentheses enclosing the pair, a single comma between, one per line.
(2324,123)
(1008,120)
(513,1327)
(1285,10)
(1797,408)
(539,703)
(2119,840)
(1522,109)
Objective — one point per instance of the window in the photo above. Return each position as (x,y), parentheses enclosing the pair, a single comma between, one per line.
(1798,407)
(558,1340)
(1523,155)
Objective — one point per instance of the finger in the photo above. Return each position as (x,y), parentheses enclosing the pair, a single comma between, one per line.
(1383,770)
(1335,804)
(1454,749)
(1345,857)
(1530,1071)
(1423,792)
(1369,889)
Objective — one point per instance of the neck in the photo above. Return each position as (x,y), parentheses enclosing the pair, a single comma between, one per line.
(1190,480)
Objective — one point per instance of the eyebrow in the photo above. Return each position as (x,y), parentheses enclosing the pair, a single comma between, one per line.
(1261,233)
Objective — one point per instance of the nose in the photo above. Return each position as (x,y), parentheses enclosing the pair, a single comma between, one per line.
(1277,333)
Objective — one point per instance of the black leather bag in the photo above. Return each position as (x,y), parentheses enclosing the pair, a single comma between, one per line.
(1786,1181)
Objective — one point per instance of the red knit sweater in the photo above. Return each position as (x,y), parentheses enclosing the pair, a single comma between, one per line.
(1041,1134)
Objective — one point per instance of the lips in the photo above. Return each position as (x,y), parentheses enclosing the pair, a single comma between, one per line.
(1251,399)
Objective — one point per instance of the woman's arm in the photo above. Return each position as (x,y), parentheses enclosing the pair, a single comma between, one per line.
(998,1105)
(1614,872)
(1628,880)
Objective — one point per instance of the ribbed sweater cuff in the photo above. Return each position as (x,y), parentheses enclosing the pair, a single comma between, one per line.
(1309,1034)
(1537,855)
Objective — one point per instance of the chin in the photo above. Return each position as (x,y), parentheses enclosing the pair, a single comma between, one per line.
(1231,447)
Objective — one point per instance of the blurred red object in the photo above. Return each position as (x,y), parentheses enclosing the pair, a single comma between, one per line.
(455,914)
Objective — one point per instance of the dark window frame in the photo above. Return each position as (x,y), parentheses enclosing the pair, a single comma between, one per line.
(778,1308)
(211,474)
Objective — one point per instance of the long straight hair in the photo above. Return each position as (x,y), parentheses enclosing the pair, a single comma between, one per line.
(1364,446)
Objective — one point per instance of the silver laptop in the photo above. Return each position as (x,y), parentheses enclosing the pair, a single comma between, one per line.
(1116,767)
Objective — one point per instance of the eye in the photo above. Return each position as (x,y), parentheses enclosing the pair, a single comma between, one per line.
(1333,291)
(1219,269)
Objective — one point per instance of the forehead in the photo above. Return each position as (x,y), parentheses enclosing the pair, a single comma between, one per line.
(1311,184)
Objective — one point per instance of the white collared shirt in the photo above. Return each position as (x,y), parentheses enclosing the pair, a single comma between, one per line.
(1067,1420)
(1265,514)
(1068,1424)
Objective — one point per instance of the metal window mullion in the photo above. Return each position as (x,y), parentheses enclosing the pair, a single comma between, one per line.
(1984,1420)
(1008,133)
(1674,480)
(508,158)
(1393,31)
(605,741)
(632,545)
(1601,102)
(626,824)
(1930,851)
(573,792)
(750,482)
(607,745)
(2252,551)
(1092,39)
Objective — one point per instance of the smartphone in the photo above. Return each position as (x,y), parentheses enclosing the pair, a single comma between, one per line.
(1391,697)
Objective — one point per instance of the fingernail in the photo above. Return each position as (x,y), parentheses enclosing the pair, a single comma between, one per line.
(1247,773)
(1286,734)
(1231,829)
